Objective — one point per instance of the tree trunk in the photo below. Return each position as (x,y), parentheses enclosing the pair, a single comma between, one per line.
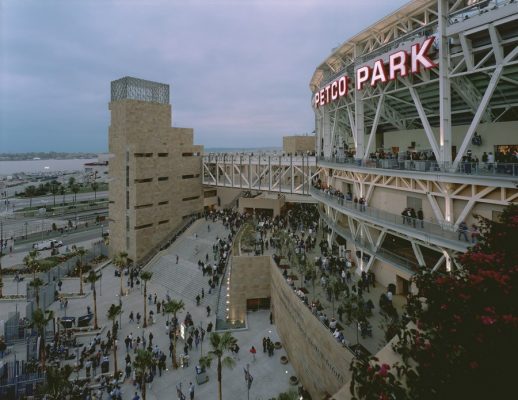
(143,386)
(37,293)
(81,277)
(145,304)
(42,346)
(120,272)
(95,309)
(220,395)
(175,362)
(114,352)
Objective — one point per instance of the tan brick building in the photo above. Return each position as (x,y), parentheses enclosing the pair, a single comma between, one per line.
(154,171)
(299,144)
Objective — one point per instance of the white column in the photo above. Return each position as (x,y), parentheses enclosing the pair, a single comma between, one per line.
(445,140)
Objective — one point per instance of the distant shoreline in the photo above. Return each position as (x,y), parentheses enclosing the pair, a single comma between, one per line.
(45,156)
(76,156)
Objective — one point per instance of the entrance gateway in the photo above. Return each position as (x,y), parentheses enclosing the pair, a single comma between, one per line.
(401,63)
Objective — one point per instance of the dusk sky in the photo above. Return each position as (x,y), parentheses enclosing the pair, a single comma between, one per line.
(239,70)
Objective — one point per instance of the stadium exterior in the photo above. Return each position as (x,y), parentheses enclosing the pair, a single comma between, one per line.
(418,111)
(429,122)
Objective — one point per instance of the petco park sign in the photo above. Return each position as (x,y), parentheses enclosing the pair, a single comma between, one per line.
(400,63)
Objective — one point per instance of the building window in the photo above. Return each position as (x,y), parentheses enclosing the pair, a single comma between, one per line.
(127,223)
(163,154)
(143,180)
(210,193)
(140,155)
(163,178)
(190,176)
(190,154)
(127,175)
(190,198)
(165,221)
(143,206)
(163,203)
(143,226)
(127,200)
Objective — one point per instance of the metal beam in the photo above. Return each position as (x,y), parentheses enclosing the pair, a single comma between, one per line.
(478,115)
(424,120)
(374,126)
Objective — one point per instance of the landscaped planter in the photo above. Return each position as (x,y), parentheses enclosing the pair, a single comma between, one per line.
(284,360)
(294,380)
(277,345)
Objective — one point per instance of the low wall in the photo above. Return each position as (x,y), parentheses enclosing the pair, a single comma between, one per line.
(250,279)
(322,364)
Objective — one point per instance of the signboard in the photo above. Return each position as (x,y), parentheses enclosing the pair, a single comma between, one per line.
(401,63)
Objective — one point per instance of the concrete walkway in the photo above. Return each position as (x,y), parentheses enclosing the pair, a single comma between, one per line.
(182,281)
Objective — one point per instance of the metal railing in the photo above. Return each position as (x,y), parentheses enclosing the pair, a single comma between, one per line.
(444,231)
(463,168)
(478,8)
(384,254)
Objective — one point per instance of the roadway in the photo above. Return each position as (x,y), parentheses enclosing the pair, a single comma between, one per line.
(48,200)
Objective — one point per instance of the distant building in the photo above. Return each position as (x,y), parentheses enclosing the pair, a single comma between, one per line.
(154,171)
(299,144)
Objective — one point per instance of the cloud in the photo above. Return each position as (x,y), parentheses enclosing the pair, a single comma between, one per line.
(239,70)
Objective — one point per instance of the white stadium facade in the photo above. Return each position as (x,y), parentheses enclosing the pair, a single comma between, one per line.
(416,117)
(429,122)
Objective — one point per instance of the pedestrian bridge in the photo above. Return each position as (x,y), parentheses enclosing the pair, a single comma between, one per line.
(264,172)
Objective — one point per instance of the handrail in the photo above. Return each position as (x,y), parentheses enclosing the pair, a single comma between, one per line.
(412,224)
(430,166)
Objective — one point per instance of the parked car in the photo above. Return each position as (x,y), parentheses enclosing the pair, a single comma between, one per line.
(47,244)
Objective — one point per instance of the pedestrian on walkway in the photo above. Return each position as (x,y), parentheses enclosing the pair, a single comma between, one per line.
(191,391)
(177,258)
(252,352)
(208,311)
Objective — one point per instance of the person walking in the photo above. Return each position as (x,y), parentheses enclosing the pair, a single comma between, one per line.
(463,231)
(208,311)
(191,391)
(253,351)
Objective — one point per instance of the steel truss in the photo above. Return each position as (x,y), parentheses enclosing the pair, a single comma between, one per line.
(451,202)
(368,239)
(476,80)
(274,173)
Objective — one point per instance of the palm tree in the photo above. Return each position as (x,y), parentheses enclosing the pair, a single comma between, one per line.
(291,395)
(30,192)
(81,251)
(63,192)
(142,364)
(220,345)
(92,278)
(95,186)
(57,386)
(31,262)
(75,189)
(145,276)
(113,312)
(36,283)
(121,260)
(54,189)
(40,320)
(174,307)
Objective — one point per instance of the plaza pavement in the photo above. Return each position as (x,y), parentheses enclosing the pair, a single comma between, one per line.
(182,281)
